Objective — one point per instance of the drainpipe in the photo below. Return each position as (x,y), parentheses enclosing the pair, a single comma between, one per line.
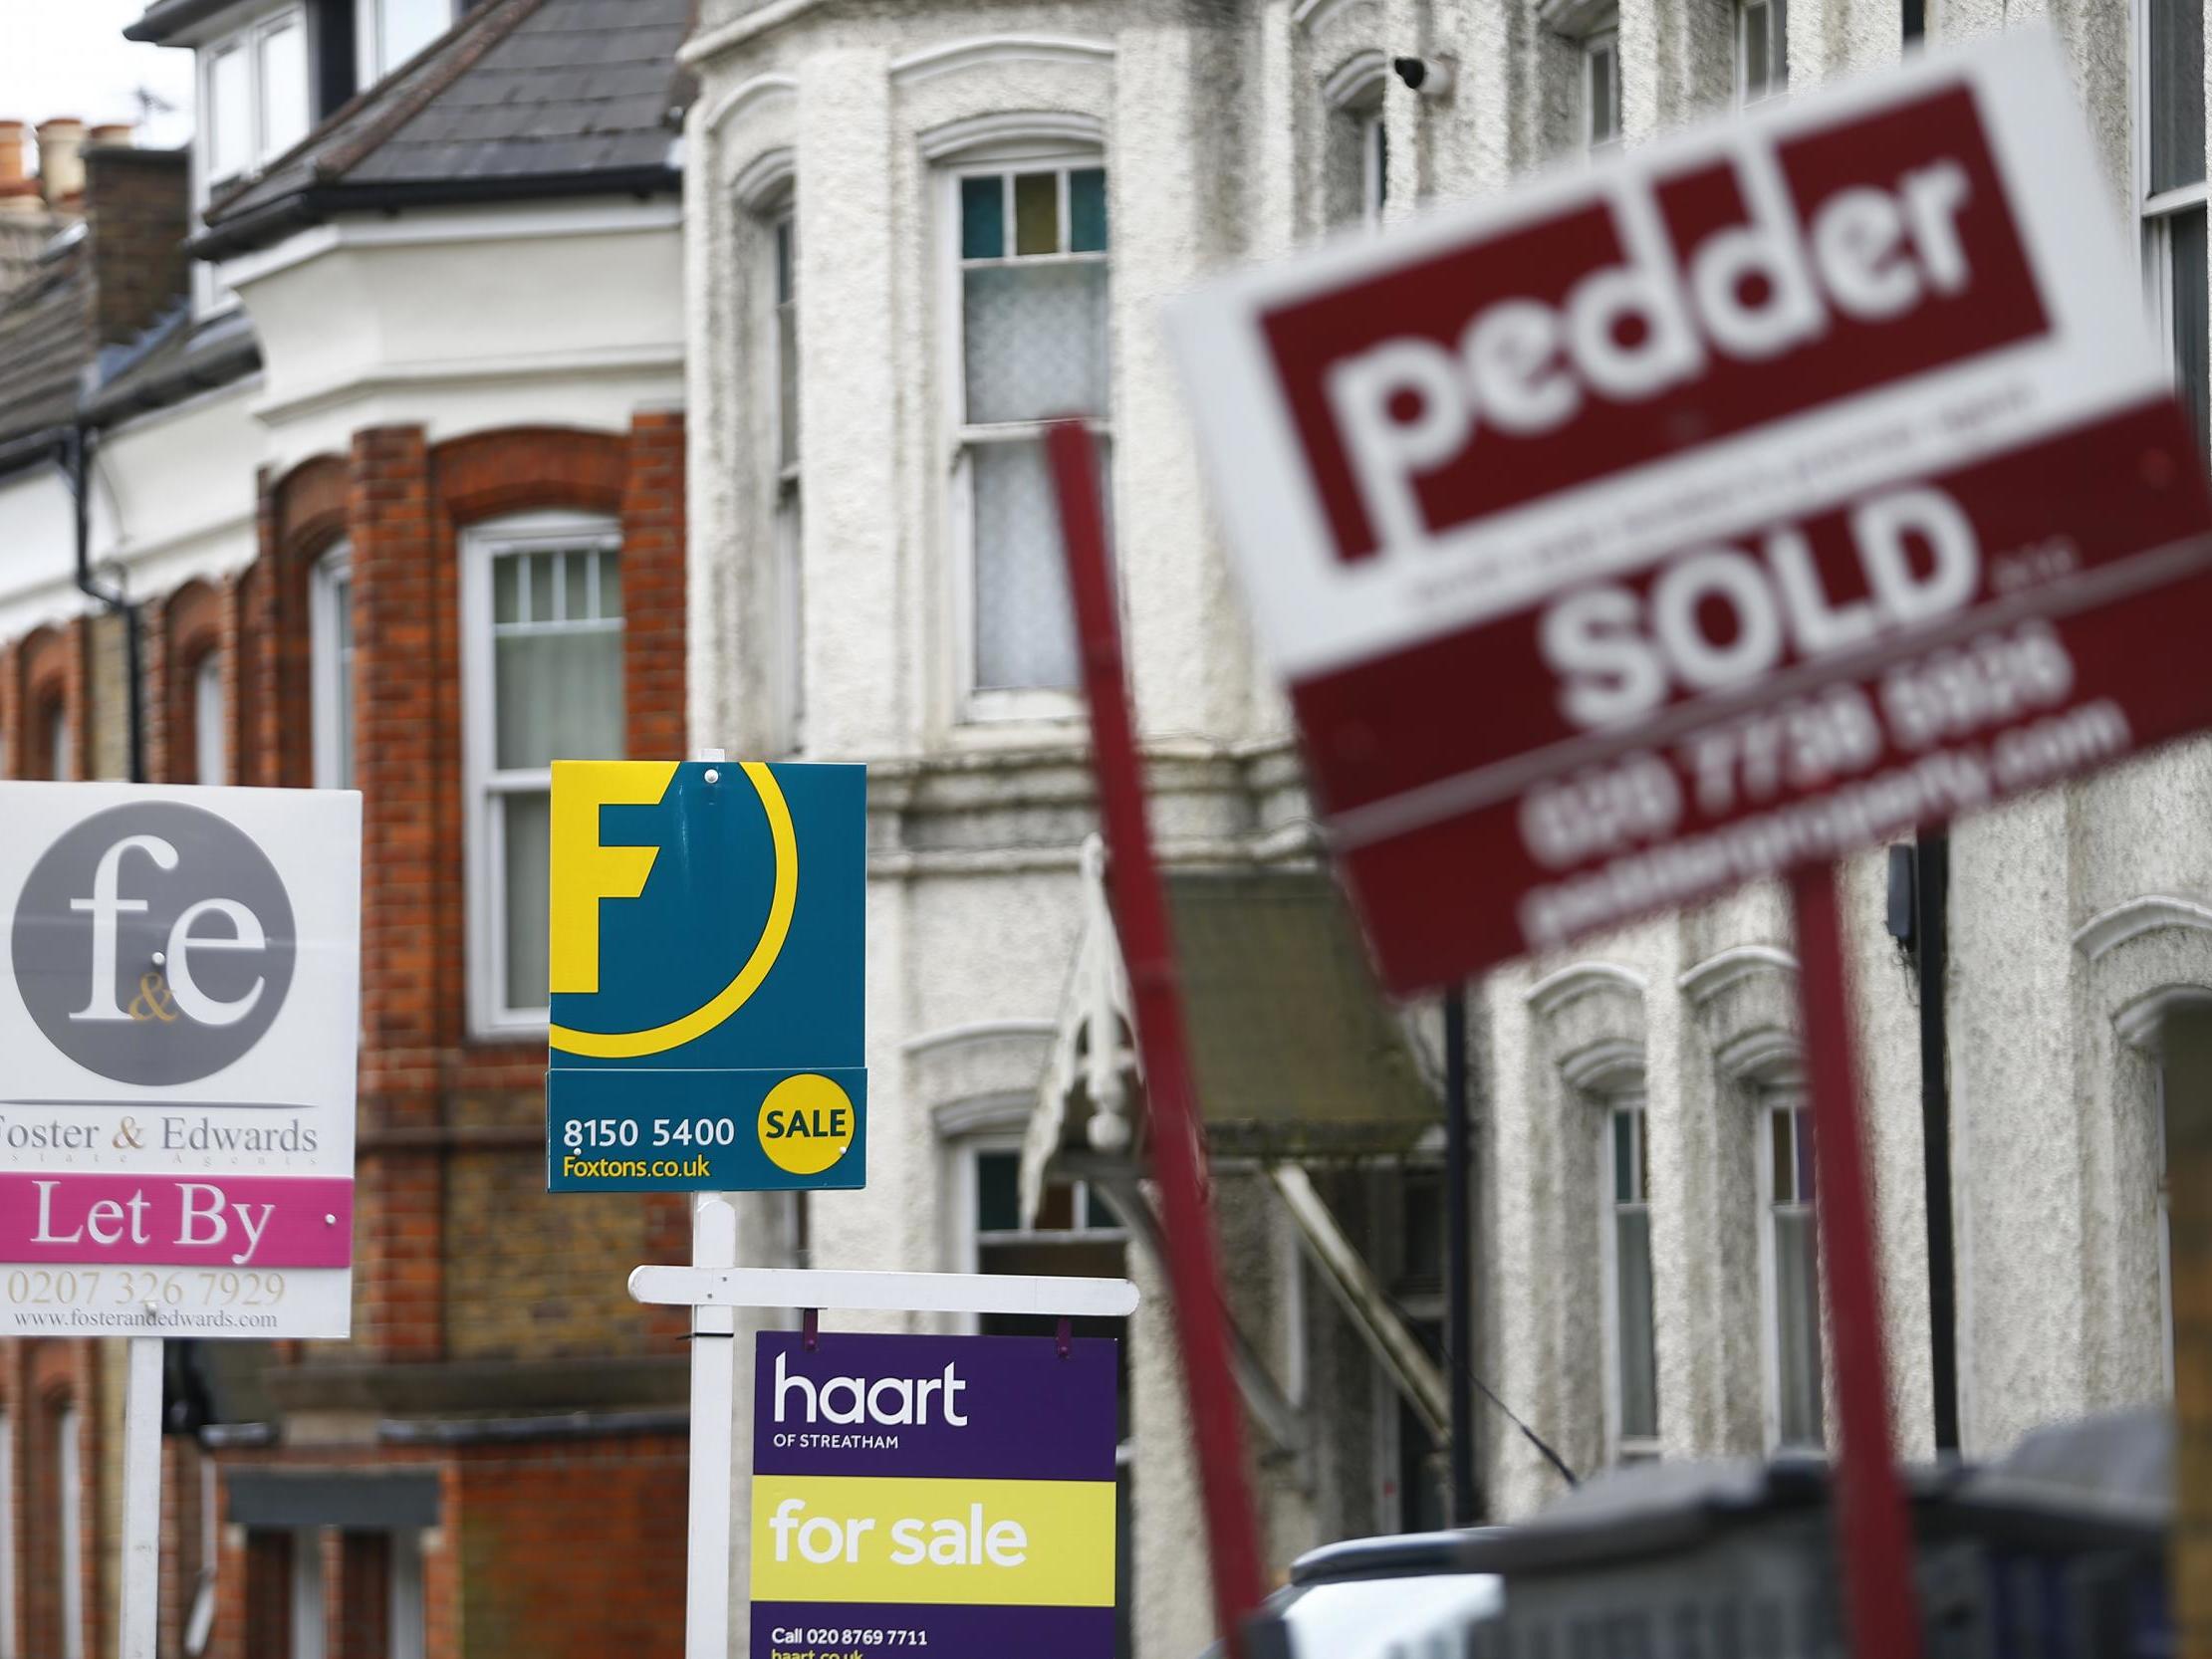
(1931,892)
(77,451)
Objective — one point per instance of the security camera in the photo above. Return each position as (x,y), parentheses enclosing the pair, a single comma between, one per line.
(1431,76)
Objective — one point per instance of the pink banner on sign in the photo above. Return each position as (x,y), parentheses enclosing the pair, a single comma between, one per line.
(217,1221)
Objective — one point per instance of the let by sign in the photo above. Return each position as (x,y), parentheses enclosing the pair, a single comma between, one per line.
(1721,508)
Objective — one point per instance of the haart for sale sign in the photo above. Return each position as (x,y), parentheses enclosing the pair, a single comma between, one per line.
(1758,494)
(948,1494)
(179,1003)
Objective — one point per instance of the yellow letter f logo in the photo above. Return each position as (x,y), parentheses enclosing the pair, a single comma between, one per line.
(589,871)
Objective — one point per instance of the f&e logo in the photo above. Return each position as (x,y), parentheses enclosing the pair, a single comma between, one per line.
(153,943)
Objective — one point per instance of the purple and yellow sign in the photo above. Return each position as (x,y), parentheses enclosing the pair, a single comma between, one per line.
(953,1493)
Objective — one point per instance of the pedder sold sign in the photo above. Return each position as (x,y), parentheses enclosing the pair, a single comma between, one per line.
(954,1494)
(1720,509)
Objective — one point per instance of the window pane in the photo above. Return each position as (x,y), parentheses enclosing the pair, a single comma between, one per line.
(982,217)
(787,385)
(61,764)
(786,276)
(1605,95)
(1097,1209)
(284,118)
(1087,210)
(576,589)
(540,587)
(1037,213)
(2187,298)
(1783,1170)
(1639,1387)
(1624,1157)
(611,585)
(998,1192)
(1797,1308)
(230,122)
(1024,629)
(558,696)
(407,26)
(1036,341)
(506,591)
(210,751)
(527,819)
(2176,75)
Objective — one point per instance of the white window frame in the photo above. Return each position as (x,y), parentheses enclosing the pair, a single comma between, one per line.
(1602,42)
(973,707)
(561,531)
(210,295)
(329,665)
(310,1622)
(1767,1102)
(369,41)
(1620,1447)
(211,719)
(968,1152)
(407,1629)
(2157,210)
(1778,64)
(69,1472)
(1353,93)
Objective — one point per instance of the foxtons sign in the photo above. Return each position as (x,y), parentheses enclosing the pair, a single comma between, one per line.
(953,1493)
(707,931)
(179,1005)
(1718,510)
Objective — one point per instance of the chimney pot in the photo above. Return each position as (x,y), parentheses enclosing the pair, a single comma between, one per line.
(11,150)
(61,161)
(111,135)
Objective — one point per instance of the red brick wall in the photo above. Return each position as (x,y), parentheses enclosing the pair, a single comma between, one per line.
(37,1379)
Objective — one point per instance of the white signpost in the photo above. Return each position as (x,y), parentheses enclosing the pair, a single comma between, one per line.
(179,1009)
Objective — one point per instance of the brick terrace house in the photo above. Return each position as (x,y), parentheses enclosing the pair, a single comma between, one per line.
(387,479)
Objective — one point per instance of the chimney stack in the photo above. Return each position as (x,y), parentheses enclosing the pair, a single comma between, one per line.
(18,192)
(61,164)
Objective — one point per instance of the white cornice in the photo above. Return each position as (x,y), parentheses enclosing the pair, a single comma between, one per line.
(738,31)
(990,50)
(1012,127)
(763,178)
(2108,930)
(1314,15)
(1767,1054)
(1609,1065)
(979,1030)
(1549,994)
(2141,1021)
(1350,79)
(1709,978)
(450,373)
(456,227)
(758,88)
(986,1114)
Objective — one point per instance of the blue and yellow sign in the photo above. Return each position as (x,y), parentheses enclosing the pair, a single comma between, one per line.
(707,963)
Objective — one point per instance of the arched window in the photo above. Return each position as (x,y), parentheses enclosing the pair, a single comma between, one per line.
(1762,49)
(1357,150)
(331,686)
(767,221)
(210,748)
(1633,1379)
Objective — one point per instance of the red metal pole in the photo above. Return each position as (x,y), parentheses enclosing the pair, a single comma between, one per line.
(1872,1529)
(1140,917)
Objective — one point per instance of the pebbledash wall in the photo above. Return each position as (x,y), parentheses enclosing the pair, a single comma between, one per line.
(1646,1263)
(305,566)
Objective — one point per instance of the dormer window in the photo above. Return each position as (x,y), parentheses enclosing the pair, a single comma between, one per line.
(254,96)
(393,30)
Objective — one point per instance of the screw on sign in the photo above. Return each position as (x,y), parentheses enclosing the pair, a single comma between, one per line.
(1702,517)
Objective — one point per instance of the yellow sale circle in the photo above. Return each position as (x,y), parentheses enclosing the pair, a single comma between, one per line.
(806,1124)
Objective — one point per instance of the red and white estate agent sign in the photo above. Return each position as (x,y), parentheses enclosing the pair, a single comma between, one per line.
(179,1003)
(1712,511)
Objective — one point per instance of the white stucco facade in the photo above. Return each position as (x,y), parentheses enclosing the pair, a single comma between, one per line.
(1231,131)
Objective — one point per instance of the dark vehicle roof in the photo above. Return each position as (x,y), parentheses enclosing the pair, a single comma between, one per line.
(1399,1556)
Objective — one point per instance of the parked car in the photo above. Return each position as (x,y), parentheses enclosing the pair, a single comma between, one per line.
(1407,1597)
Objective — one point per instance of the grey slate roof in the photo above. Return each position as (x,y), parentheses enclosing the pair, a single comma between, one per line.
(45,343)
(521,98)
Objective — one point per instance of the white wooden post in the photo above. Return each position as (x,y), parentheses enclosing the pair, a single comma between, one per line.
(141,1501)
(706,1619)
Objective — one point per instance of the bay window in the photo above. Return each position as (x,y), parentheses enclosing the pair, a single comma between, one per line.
(542,609)
(2171,195)
(1032,343)
(1791,1269)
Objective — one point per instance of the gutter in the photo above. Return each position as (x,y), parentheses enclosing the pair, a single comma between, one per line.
(312,206)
